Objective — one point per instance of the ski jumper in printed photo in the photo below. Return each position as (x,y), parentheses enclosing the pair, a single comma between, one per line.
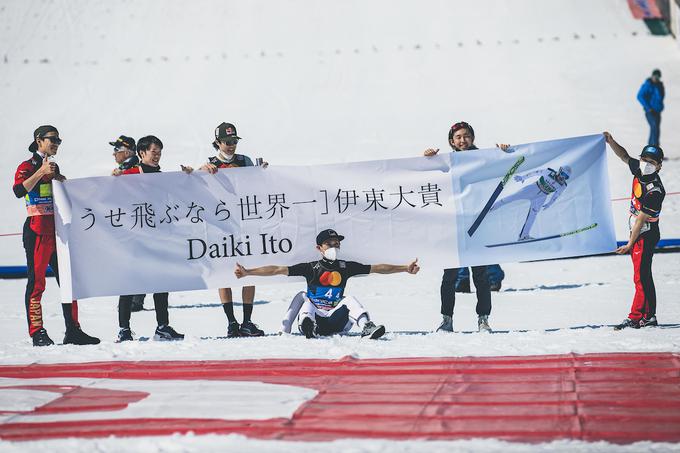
(550,183)
(39,237)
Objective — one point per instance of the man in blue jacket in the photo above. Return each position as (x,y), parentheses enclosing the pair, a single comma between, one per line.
(651,96)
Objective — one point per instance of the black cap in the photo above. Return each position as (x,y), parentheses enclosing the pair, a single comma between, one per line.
(653,152)
(127,142)
(460,125)
(225,130)
(40,133)
(656,73)
(326,235)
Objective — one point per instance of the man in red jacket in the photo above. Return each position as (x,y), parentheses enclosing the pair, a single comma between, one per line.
(33,182)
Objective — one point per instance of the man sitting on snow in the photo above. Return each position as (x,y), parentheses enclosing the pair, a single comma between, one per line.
(323,308)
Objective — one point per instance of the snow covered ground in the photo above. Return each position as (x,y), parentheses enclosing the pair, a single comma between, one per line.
(319,82)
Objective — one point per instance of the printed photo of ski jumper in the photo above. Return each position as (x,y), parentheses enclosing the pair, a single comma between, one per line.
(545,238)
(494,196)
(549,182)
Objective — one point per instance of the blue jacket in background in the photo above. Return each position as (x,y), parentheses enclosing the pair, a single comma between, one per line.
(651,95)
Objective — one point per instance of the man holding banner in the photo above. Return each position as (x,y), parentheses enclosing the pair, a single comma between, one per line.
(462,138)
(226,141)
(33,182)
(645,208)
(149,149)
(324,309)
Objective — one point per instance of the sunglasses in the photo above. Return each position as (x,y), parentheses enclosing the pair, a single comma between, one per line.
(55,140)
(119,150)
(230,141)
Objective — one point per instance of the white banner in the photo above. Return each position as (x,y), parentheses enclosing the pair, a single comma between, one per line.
(175,232)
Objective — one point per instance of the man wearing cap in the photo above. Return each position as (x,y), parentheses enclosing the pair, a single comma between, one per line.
(323,308)
(124,149)
(150,149)
(33,182)
(462,138)
(225,143)
(645,209)
(124,152)
(651,96)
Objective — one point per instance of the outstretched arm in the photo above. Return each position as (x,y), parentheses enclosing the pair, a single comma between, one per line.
(521,178)
(263,271)
(619,150)
(411,268)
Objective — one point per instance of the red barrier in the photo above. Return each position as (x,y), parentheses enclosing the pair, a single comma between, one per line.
(613,397)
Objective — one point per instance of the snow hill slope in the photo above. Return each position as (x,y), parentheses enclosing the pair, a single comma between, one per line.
(323,81)
(332,81)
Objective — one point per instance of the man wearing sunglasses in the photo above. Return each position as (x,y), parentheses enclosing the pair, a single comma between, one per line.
(225,143)
(324,309)
(645,208)
(124,149)
(33,182)
(124,153)
(462,138)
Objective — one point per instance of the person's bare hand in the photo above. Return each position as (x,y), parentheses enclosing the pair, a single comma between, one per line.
(48,168)
(623,250)
(210,168)
(116,172)
(413,267)
(430,152)
(503,146)
(240,271)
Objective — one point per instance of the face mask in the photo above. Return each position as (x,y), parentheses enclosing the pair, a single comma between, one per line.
(224,157)
(330,254)
(647,168)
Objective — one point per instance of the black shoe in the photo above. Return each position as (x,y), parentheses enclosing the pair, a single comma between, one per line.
(651,322)
(372,331)
(495,286)
(463,286)
(40,338)
(124,334)
(628,323)
(77,336)
(446,325)
(233,330)
(248,329)
(307,327)
(167,333)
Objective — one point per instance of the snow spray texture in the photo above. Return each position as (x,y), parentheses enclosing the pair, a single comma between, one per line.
(187,231)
